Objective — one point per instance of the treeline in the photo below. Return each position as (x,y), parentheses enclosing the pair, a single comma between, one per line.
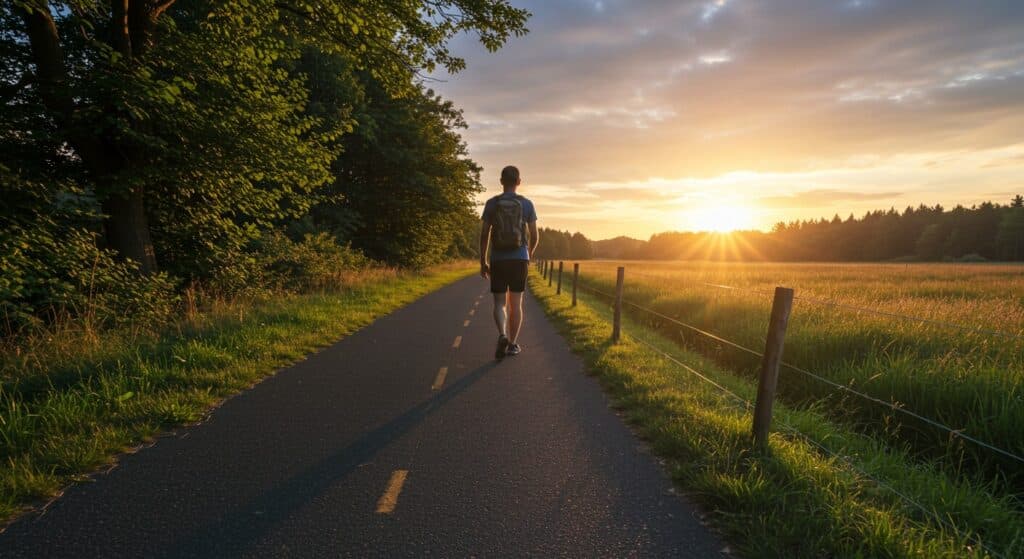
(983,232)
(555,245)
(146,146)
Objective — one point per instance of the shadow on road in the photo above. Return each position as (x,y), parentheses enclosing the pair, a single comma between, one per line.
(247,523)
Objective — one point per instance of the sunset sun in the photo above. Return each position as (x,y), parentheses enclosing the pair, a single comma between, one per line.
(721,218)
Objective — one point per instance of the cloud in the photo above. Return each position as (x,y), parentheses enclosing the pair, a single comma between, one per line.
(821,198)
(617,92)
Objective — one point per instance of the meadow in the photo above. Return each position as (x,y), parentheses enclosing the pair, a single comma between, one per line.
(944,342)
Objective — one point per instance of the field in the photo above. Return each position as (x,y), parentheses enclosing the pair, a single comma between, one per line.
(942,342)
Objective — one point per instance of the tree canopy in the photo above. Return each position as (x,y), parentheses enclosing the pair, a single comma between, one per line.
(173,135)
(555,244)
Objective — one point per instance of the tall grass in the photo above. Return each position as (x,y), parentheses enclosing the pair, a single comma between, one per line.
(962,365)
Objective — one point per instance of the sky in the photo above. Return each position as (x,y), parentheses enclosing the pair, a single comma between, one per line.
(635,117)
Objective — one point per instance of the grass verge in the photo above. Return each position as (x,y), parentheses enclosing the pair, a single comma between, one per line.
(66,412)
(813,493)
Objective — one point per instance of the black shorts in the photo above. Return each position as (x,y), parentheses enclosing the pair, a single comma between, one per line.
(509,275)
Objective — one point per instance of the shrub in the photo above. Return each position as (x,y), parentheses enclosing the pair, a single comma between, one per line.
(51,265)
(315,262)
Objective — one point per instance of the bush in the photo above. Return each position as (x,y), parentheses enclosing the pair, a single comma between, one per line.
(44,278)
(315,262)
(51,265)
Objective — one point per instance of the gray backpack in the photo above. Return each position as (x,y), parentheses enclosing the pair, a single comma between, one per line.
(509,227)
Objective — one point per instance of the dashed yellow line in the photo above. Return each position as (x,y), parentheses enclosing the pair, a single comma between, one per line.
(439,381)
(458,341)
(465,323)
(389,500)
(472,312)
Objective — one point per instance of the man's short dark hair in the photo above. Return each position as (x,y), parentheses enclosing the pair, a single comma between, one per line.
(510,176)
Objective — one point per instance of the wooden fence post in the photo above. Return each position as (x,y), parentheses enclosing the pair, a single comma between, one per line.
(544,270)
(551,273)
(559,290)
(575,278)
(617,324)
(782,305)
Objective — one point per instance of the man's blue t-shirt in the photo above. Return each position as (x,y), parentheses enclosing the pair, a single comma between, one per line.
(529,216)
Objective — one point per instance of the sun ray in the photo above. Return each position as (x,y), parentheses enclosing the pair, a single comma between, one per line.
(749,249)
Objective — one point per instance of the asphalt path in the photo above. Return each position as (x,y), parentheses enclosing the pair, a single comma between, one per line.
(405,439)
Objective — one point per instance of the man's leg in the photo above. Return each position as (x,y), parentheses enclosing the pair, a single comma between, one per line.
(501,322)
(515,315)
(500,319)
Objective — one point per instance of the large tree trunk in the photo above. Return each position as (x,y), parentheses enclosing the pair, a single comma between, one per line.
(126,227)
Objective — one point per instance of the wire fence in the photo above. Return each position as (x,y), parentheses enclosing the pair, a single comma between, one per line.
(930,513)
(739,399)
(952,432)
(746,404)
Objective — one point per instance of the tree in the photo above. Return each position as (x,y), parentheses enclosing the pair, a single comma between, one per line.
(113,83)
(68,78)
(1010,238)
(580,247)
(555,244)
(403,178)
(931,242)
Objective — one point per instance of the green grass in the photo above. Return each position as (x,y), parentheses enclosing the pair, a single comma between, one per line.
(793,500)
(969,380)
(72,402)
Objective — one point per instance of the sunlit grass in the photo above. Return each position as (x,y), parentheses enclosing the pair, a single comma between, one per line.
(969,375)
(793,501)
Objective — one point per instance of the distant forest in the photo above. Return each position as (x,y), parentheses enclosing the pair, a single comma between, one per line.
(985,232)
(561,244)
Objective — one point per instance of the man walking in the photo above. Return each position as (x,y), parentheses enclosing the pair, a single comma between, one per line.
(510,224)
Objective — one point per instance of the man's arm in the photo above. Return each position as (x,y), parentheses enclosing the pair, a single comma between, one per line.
(485,233)
(534,238)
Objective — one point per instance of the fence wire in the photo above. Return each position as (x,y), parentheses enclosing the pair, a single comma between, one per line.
(855,308)
(786,427)
(954,433)
(683,324)
(746,403)
(884,485)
